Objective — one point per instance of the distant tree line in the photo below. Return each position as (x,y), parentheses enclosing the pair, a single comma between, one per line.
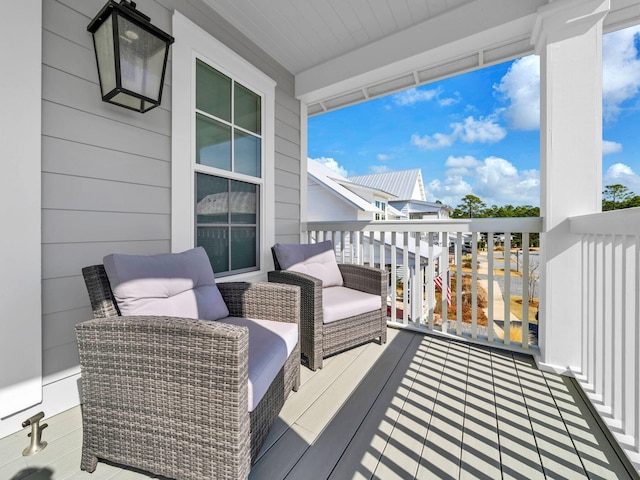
(472,206)
(618,196)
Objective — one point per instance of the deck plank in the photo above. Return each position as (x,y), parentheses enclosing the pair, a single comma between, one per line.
(366,447)
(361,386)
(518,450)
(443,444)
(480,450)
(558,454)
(598,457)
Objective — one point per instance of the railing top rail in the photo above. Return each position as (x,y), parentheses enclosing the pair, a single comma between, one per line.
(616,222)
(519,224)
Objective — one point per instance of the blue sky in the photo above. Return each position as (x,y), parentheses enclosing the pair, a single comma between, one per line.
(479,133)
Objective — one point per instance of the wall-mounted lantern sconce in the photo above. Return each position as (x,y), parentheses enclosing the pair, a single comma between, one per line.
(131,55)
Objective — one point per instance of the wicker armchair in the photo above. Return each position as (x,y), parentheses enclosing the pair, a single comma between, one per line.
(319,340)
(169,395)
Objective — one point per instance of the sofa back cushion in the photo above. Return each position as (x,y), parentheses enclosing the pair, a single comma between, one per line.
(315,259)
(169,284)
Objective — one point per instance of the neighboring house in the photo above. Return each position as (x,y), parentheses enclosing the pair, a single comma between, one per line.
(331,196)
(82,178)
(408,188)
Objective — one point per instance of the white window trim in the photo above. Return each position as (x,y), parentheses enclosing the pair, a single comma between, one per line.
(192,42)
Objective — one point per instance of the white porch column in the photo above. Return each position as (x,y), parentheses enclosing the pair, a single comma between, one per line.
(568,37)
(20,242)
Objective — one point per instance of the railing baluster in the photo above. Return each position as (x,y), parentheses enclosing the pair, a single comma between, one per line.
(631,334)
(372,255)
(405,278)
(617,298)
(525,291)
(474,285)
(490,280)
(506,293)
(459,283)
(598,382)
(418,286)
(393,252)
(444,271)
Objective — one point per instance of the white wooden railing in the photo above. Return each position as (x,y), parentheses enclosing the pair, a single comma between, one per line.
(396,245)
(610,370)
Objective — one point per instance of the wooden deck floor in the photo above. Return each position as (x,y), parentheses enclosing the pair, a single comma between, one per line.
(417,407)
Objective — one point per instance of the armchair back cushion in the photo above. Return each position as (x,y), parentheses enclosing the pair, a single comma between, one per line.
(168,284)
(315,259)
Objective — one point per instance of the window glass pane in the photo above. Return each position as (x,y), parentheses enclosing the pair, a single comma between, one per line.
(243,247)
(212,199)
(244,203)
(213,91)
(247,108)
(213,143)
(247,154)
(216,243)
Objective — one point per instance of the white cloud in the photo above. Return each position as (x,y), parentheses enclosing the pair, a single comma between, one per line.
(448,101)
(432,142)
(621,70)
(383,157)
(495,180)
(333,165)
(482,130)
(415,95)
(624,175)
(610,147)
(450,191)
(379,168)
(521,86)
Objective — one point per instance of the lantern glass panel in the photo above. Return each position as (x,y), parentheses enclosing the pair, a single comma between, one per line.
(103,38)
(141,59)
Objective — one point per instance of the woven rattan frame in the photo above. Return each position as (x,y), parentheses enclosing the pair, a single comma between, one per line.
(319,340)
(169,395)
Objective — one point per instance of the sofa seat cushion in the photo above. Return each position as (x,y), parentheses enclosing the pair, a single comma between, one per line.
(315,259)
(343,302)
(169,284)
(270,344)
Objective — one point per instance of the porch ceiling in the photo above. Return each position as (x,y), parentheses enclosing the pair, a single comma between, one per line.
(345,52)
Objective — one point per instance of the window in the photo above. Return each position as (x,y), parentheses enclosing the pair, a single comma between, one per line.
(223,116)
(382,206)
(228,139)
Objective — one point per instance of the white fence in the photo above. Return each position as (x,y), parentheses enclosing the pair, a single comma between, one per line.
(610,370)
(415,252)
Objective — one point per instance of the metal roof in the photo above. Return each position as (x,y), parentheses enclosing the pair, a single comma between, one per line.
(404,184)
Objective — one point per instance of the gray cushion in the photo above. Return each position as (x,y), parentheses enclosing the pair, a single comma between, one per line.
(172,284)
(315,259)
(270,344)
(343,302)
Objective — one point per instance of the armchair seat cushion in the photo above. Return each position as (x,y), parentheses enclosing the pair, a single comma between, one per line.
(342,302)
(270,344)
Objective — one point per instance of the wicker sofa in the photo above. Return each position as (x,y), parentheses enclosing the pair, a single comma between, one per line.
(170,395)
(319,339)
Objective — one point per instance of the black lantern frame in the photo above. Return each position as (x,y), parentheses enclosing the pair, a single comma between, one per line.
(131,54)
